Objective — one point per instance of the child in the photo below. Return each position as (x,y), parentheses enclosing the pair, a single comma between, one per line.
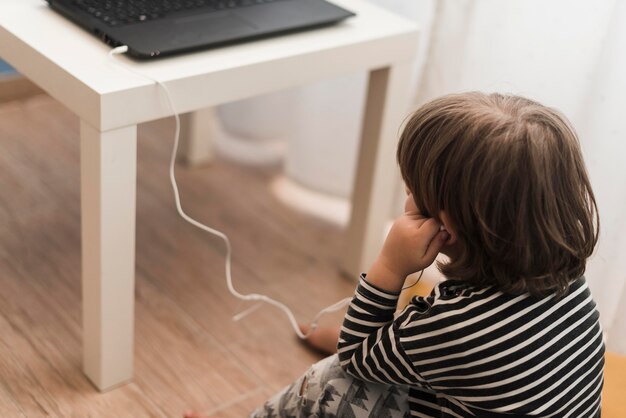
(514,330)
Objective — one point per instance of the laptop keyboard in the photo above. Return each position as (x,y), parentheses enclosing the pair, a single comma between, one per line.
(125,12)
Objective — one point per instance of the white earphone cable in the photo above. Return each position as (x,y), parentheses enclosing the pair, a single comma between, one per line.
(229,281)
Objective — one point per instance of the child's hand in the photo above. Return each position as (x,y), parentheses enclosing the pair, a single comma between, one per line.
(412,245)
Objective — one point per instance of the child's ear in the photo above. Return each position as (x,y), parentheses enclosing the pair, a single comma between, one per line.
(447,225)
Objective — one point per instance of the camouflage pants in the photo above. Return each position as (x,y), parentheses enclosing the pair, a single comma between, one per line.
(325,390)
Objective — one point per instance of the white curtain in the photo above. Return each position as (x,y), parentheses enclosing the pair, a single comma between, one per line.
(563,53)
(569,54)
(603,136)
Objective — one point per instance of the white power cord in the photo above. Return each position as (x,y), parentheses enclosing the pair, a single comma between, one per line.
(229,280)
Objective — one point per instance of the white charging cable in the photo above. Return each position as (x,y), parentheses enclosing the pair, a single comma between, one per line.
(229,280)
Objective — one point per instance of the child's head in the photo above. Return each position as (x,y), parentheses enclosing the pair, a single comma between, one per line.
(508,176)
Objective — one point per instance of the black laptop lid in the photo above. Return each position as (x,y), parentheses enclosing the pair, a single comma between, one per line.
(183,30)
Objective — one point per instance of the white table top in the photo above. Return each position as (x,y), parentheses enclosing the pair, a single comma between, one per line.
(72,65)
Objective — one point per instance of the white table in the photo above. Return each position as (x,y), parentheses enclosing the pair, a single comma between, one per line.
(72,66)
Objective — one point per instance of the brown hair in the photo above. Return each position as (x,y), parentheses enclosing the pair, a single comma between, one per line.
(510,176)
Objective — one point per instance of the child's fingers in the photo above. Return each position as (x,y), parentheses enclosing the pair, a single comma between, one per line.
(428,231)
(435,246)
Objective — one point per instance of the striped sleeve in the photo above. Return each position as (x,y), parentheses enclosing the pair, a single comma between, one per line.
(369,346)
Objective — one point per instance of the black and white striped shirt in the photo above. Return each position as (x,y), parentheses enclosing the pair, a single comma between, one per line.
(467,351)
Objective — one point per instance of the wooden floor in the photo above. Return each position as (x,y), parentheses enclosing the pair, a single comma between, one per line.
(189,354)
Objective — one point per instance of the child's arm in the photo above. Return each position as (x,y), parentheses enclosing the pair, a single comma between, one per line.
(369,345)
(369,337)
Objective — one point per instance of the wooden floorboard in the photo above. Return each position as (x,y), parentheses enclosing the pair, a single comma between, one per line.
(189,354)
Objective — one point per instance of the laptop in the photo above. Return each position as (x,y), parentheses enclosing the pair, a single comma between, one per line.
(156,28)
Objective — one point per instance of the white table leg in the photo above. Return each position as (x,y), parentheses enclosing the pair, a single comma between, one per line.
(196,132)
(108,193)
(377,173)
